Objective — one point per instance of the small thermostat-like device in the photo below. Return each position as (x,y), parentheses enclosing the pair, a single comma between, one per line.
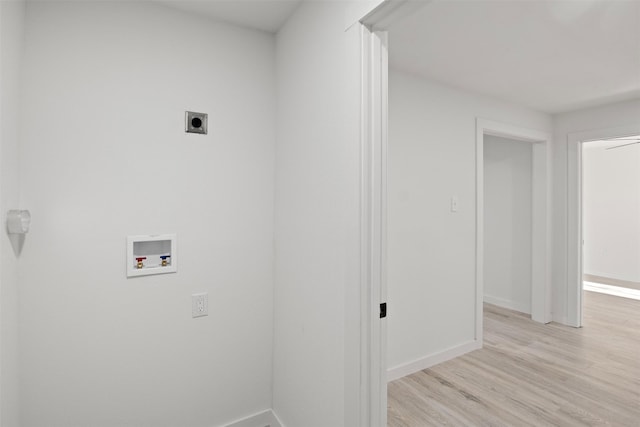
(196,122)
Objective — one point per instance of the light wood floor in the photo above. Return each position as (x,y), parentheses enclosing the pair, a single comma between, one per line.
(528,374)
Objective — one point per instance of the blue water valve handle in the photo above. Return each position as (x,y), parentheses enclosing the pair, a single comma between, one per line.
(164,259)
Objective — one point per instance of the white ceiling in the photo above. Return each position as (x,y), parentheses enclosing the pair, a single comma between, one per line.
(614,142)
(266,15)
(553,56)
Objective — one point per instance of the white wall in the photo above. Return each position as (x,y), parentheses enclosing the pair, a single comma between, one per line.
(611,211)
(608,116)
(507,222)
(431,251)
(316,370)
(11,60)
(104,155)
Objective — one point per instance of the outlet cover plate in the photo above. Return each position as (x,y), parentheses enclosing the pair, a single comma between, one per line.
(200,304)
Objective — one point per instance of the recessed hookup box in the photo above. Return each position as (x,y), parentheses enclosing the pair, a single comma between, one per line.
(151,254)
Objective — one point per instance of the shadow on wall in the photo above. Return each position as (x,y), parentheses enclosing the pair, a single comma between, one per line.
(17,242)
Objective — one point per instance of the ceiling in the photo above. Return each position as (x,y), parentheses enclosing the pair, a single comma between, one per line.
(265,15)
(552,56)
(628,141)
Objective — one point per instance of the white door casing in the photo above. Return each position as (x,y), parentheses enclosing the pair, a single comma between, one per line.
(574,213)
(374,125)
(373,226)
(541,217)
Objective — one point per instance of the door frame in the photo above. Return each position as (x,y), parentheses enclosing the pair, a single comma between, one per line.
(574,213)
(540,218)
(373,226)
(373,191)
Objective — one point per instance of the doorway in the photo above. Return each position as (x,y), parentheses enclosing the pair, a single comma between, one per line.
(508,183)
(611,215)
(540,296)
(575,214)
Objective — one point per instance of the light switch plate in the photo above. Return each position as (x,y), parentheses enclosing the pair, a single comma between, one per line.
(455,204)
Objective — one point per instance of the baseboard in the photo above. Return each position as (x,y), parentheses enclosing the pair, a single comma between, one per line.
(432,360)
(276,422)
(265,418)
(610,281)
(505,303)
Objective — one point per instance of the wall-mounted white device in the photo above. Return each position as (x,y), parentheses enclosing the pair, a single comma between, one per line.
(18,221)
(455,204)
(200,305)
(154,254)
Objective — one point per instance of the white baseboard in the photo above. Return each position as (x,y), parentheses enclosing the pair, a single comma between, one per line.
(265,418)
(276,422)
(432,360)
(505,303)
(609,280)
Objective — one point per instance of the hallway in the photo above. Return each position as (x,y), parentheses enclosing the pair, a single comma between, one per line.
(530,374)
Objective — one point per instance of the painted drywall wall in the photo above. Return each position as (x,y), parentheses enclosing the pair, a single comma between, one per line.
(316,371)
(605,117)
(11,60)
(507,222)
(611,211)
(431,251)
(104,155)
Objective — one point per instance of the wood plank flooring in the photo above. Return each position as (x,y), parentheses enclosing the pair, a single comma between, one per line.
(528,374)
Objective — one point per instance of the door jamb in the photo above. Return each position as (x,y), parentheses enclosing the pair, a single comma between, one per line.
(374,125)
(373,226)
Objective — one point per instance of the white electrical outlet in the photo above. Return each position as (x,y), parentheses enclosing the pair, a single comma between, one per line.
(199,305)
